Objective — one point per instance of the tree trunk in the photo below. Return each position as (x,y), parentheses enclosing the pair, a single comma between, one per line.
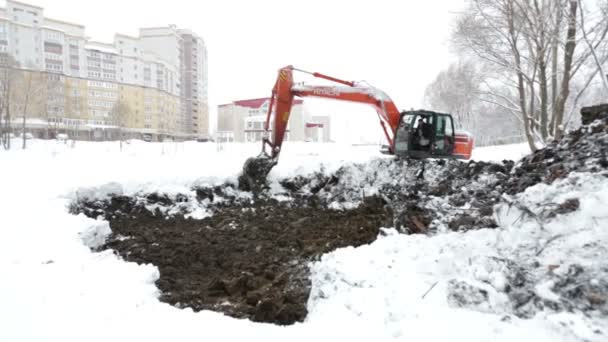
(544,96)
(521,87)
(532,107)
(568,57)
(23,132)
(554,56)
(2,136)
(28,89)
(8,115)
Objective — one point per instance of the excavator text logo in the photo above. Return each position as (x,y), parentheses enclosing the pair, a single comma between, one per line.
(325,92)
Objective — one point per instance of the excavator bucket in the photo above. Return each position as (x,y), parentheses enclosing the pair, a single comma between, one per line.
(255,171)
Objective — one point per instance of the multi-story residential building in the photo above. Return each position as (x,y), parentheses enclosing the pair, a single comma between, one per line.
(194,62)
(243,121)
(189,51)
(159,78)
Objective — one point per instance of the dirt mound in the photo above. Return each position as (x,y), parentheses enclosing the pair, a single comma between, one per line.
(426,196)
(247,260)
(583,150)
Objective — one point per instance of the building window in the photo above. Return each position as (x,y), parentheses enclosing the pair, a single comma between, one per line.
(53,36)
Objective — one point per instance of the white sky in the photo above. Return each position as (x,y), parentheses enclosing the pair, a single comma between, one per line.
(398,46)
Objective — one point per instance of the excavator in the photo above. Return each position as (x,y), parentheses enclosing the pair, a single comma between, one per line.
(418,134)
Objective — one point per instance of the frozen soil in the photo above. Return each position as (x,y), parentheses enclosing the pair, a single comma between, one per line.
(250,258)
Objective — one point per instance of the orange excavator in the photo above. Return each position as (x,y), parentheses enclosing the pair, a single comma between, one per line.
(416,134)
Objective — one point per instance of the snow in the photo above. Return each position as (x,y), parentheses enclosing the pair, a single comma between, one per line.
(54,288)
(500,153)
(384,283)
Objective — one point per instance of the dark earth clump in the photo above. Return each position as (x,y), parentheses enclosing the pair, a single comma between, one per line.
(255,170)
(247,260)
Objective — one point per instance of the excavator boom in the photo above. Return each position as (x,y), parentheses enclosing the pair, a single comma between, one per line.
(285,90)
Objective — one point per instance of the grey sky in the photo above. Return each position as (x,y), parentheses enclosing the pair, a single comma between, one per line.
(398,46)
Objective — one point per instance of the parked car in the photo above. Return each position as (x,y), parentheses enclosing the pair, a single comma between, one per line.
(62,137)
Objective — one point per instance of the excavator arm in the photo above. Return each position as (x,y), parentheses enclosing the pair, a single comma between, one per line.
(285,90)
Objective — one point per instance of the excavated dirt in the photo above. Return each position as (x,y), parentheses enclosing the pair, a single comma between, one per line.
(247,260)
(250,258)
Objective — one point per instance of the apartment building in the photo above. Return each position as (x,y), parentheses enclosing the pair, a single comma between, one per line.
(159,78)
(243,121)
(189,51)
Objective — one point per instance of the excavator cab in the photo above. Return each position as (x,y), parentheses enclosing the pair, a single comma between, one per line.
(425,134)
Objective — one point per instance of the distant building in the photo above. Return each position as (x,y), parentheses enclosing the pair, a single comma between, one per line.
(245,119)
(160,76)
(318,129)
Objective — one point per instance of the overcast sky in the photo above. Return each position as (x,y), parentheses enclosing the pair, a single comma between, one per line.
(398,46)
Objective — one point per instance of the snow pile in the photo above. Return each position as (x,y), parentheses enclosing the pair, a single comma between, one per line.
(427,196)
(549,269)
(193,203)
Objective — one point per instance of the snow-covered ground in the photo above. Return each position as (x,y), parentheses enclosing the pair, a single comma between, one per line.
(499,153)
(53,288)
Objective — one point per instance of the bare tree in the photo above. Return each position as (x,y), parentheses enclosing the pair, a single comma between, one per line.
(8,75)
(590,44)
(119,114)
(533,47)
(55,97)
(28,97)
(460,90)
(454,91)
